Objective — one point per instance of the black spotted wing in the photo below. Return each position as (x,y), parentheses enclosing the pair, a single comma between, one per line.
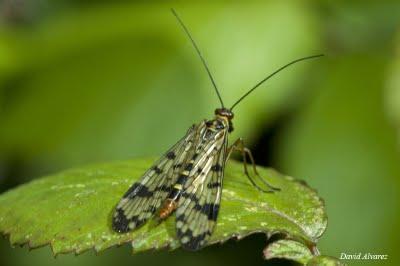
(198,206)
(144,197)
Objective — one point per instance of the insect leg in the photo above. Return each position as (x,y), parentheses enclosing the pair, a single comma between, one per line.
(248,152)
(235,147)
(238,145)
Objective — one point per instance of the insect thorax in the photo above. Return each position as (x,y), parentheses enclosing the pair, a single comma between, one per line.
(226,115)
(218,124)
(214,129)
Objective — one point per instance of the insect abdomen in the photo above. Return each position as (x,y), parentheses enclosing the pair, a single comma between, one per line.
(168,207)
(171,203)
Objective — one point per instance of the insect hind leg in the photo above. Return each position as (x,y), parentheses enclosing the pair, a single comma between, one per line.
(238,145)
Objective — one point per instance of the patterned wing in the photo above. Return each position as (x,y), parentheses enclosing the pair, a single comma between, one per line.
(144,197)
(199,203)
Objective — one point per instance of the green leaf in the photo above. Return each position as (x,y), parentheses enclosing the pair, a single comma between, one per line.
(115,61)
(296,251)
(324,261)
(288,249)
(72,210)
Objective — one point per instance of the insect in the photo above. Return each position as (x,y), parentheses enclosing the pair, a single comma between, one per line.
(187,179)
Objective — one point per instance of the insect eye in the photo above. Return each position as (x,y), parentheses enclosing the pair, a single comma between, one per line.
(209,123)
(219,125)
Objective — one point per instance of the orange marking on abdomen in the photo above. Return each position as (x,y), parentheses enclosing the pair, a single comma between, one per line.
(168,207)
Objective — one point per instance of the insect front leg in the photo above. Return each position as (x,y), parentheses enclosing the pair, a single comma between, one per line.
(238,145)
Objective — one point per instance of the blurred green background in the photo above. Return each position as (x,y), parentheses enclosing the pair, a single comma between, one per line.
(93,81)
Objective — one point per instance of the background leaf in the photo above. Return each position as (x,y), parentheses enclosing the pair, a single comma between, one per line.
(295,251)
(325,261)
(99,69)
(72,210)
(288,249)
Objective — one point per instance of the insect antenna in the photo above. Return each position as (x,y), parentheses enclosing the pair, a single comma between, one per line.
(200,55)
(273,74)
